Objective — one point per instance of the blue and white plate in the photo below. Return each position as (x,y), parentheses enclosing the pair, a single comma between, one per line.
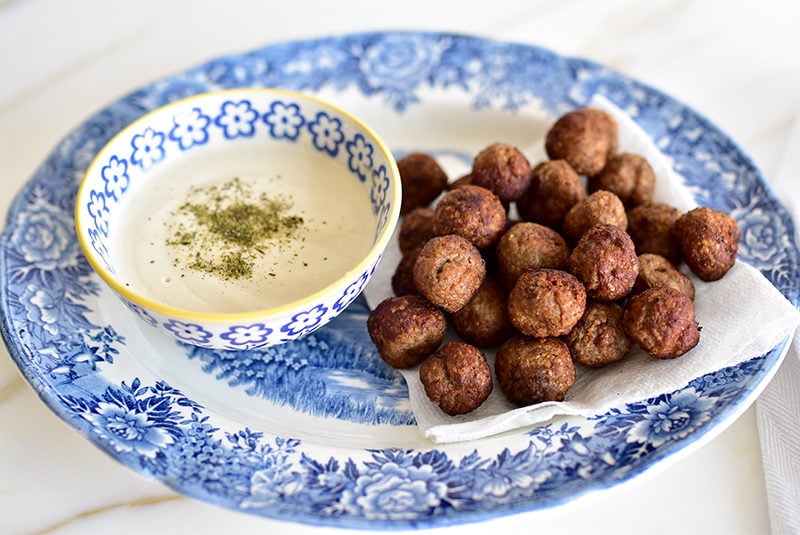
(320,431)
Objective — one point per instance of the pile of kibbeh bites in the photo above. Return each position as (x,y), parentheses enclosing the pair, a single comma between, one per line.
(589,269)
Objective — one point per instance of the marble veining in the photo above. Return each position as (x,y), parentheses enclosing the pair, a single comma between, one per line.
(77,519)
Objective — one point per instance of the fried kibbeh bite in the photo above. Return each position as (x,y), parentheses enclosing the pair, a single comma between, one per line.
(599,207)
(555,188)
(584,138)
(483,321)
(605,261)
(448,271)
(546,302)
(415,229)
(528,245)
(422,180)
(472,212)
(662,322)
(463,180)
(599,339)
(655,270)
(502,169)
(650,228)
(457,378)
(403,277)
(532,370)
(709,241)
(629,176)
(406,330)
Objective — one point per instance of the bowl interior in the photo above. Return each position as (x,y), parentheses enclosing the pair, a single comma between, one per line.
(237,201)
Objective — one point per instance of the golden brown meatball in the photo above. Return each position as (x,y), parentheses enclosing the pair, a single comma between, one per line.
(531,370)
(609,124)
(406,330)
(555,188)
(502,169)
(605,261)
(599,339)
(584,138)
(457,378)
(662,322)
(655,270)
(546,302)
(422,180)
(403,276)
(528,245)
(463,180)
(472,212)
(415,229)
(448,271)
(709,240)
(484,321)
(650,228)
(599,207)
(628,176)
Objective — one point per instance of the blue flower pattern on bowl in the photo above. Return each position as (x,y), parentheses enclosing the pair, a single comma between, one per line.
(304,322)
(380,186)
(157,430)
(360,156)
(190,129)
(99,245)
(327,133)
(237,119)
(189,332)
(148,148)
(284,120)
(383,216)
(351,292)
(98,209)
(254,335)
(115,175)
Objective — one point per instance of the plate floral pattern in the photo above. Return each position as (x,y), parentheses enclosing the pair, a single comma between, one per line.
(86,368)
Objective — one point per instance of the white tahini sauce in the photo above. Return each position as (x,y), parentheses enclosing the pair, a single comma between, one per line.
(337,231)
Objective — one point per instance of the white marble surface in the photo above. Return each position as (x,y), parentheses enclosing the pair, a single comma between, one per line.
(736,62)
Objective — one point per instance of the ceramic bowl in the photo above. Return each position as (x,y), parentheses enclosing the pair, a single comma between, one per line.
(239,219)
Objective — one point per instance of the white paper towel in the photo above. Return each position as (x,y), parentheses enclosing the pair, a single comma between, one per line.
(742,316)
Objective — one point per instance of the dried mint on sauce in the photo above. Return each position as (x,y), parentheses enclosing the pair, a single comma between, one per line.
(222,229)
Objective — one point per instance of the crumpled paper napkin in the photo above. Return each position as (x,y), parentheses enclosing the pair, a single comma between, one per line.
(742,316)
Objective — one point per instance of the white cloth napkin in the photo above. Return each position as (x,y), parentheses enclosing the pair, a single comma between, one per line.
(778,407)
(742,316)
